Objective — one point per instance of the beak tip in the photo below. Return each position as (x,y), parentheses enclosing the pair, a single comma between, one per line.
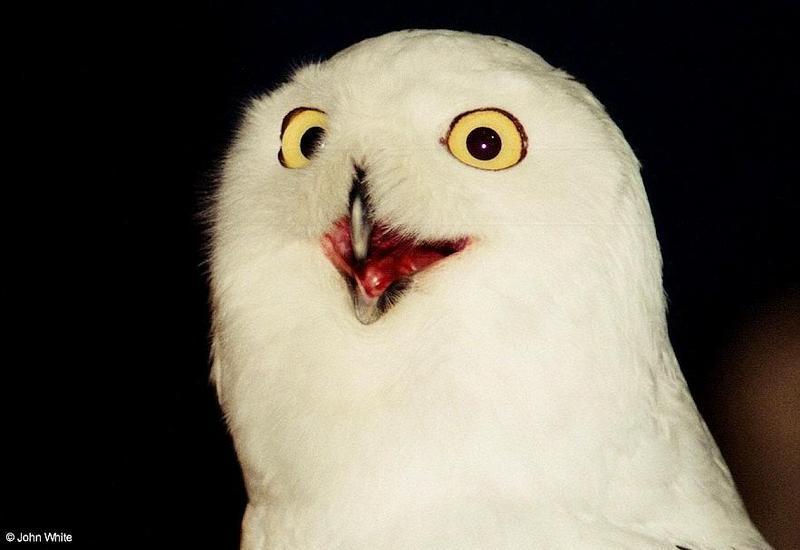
(367,309)
(367,313)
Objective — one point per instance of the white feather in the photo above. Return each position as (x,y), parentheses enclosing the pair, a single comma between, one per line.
(524,393)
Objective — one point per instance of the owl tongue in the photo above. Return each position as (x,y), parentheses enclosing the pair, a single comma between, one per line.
(390,256)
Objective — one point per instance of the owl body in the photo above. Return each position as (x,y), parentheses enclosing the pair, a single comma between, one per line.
(521,392)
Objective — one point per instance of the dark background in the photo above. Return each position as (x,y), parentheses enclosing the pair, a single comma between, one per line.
(118,115)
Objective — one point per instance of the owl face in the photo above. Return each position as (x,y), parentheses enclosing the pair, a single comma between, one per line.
(406,152)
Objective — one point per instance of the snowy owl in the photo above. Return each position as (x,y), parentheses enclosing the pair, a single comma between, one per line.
(438,316)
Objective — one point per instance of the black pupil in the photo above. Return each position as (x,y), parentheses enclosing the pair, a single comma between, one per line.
(484,143)
(311,140)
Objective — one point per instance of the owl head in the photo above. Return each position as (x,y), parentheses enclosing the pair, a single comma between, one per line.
(425,174)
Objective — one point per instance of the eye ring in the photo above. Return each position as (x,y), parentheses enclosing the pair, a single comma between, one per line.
(488,138)
(302,131)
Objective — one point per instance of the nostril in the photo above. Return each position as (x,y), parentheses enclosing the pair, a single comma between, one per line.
(359,185)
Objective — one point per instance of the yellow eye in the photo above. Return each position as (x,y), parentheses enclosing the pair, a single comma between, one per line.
(302,134)
(490,139)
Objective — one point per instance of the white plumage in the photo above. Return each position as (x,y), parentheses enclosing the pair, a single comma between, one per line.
(518,392)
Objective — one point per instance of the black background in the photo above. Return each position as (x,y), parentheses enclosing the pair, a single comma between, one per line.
(118,115)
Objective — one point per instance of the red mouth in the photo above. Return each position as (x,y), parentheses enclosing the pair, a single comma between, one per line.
(391,257)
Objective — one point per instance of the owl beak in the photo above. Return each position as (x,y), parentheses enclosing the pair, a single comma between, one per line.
(360,218)
(366,308)
(377,260)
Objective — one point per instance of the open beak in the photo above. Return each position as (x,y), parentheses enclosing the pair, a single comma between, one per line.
(378,261)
